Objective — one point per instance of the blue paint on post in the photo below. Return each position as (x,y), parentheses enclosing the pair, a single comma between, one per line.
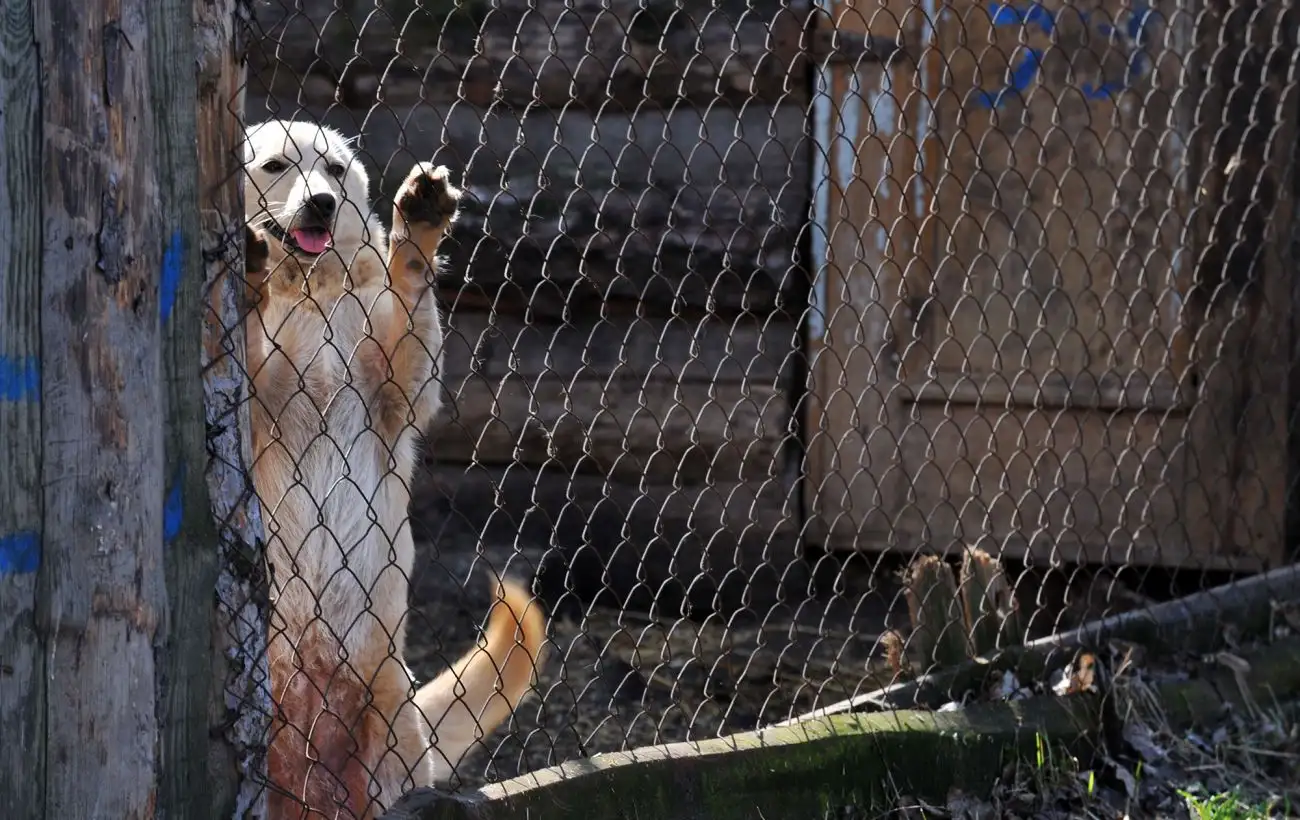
(1133,33)
(1138,20)
(174,506)
(20,553)
(171,275)
(1135,69)
(1022,76)
(1101,92)
(20,378)
(1135,28)
(1027,14)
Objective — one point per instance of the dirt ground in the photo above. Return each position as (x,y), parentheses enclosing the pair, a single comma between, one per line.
(616,680)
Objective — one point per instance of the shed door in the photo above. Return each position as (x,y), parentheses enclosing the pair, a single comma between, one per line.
(1007,359)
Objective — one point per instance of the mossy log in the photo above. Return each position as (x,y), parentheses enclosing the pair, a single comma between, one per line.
(812,770)
(1271,675)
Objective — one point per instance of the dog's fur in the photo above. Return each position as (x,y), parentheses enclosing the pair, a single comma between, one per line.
(344,345)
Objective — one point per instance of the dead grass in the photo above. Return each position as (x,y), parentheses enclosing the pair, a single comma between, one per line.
(1246,767)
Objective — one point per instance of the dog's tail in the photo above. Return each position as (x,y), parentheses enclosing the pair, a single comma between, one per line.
(468,701)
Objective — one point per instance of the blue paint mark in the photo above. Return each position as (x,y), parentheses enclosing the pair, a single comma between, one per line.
(1032,14)
(1022,76)
(171,275)
(1135,27)
(1109,89)
(1102,92)
(1138,20)
(1134,32)
(174,506)
(20,553)
(20,378)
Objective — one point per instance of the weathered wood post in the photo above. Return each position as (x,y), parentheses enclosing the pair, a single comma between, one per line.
(114,653)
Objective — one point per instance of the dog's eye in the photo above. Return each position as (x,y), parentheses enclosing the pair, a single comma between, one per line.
(274,166)
(336,170)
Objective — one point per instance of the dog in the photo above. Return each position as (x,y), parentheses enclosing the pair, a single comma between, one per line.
(344,339)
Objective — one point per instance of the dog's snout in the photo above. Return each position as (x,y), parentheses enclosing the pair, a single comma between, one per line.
(323,205)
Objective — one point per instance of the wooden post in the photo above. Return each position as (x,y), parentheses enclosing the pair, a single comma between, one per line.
(239,637)
(101,599)
(112,695)
(22,661)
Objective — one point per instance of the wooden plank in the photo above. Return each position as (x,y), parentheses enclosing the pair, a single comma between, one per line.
(241,714)
(22,657)
(1057,231)
(652,429)
(102,594)
(702,350)
(622,54)
(185,676)
(1070,481)
(1241,300)
(870,242)
(1054,258)
(1052,392)
(1051,274)
(1258,502)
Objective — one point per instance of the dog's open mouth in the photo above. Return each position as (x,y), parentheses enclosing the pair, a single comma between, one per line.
(309,241)
(314,241)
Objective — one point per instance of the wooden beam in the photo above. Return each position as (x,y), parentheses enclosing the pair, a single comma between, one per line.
(187,688)
(22,657)
(101,596)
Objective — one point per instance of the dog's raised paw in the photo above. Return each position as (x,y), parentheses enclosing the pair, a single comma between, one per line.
(427,196)
(256,250)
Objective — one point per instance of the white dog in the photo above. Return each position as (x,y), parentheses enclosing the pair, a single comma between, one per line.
(343,347)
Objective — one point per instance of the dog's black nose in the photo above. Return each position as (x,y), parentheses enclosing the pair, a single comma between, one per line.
(322,205)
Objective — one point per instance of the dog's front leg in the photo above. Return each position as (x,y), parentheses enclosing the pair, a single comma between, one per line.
(411,335)
(268,365)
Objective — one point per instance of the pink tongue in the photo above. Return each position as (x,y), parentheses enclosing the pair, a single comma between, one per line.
(311,241)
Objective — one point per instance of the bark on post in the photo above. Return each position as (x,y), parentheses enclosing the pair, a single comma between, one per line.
(110,705)
(242,708)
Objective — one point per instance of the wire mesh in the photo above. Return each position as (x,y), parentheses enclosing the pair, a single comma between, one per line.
(786,353)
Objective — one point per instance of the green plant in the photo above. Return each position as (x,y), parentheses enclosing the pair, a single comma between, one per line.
(1224,806)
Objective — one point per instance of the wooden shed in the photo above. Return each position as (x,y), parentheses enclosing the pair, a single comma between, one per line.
(1015,340)
(1041,327)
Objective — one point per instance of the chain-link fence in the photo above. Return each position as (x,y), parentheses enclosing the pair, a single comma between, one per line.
(747,311)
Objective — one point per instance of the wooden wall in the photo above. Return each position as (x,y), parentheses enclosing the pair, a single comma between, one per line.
(625,287)
(1054,293)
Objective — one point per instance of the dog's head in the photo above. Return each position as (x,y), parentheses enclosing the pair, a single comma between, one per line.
(309,192)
